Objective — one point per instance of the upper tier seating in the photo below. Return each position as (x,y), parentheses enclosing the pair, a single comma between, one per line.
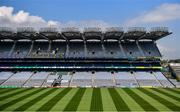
(78,50)
(149,49)
(131,50)
(94,50)
(58,50)
(112,50)
(5,48)
(40,50)
(21,49)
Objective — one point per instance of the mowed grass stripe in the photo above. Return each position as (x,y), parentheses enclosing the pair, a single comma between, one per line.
(35,100)
(96,101)
(108,104)
(74,102)
(6,105)
(86,100)
(161,100)
(49,104)
(170,92)
(13,94)
(174,90)
(143,103)
(2,91)
(118,101)
(133,106)
(166,94)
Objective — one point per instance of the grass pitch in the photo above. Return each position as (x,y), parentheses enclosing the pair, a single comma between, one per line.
(89,99)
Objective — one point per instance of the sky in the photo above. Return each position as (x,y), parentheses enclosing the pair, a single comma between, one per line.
(98,13)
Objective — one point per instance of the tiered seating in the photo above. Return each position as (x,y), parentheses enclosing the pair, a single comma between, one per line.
(5,48)
(94,50)
(82,79)
(4,76)
(125,79)
(18,79)
(162,79)
(37,79)
(149,49)
(175,82)
(112,50)
(40,50)
(48,82)
(76,50)
(131,50)
(58,50)
(103,79)
(65,80)
(21,50)
(146,79)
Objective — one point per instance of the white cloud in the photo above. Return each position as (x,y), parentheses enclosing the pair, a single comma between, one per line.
(163,13)
(22,18)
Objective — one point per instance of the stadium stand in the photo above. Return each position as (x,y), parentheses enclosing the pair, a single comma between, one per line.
(50,79)
(40,50)
(113,50)
(76,50)
(125,79)
(18,79)
(163,80)
(95,50)
(150,49)
(21,50)
(82,79)
(5,48)
(37,79)
(131,50)
(65,79)
(58,50)
(132,55)
(4,76)
(146,79)
(103,79)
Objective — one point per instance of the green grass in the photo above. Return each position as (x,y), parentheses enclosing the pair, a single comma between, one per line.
(90,99)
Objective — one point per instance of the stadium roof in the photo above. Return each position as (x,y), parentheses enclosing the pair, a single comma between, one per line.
(71,33)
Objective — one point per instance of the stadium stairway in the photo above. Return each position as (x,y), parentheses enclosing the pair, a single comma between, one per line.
(31,48)
(28,79)
(157,80)
(135,79)
(7,78)
(122,49)
(12,49)
(140,49)
(45,80)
